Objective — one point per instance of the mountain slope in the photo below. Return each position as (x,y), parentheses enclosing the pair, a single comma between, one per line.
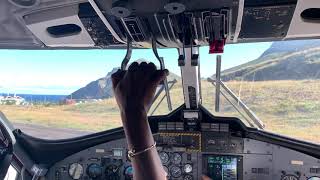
(291,46)
(285,60)
(98,89)
(102,88)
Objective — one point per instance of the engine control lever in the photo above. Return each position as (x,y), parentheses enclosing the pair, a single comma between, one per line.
(162,67)
(155,51)
(127,58)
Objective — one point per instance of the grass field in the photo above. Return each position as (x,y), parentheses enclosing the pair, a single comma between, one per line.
(291,108)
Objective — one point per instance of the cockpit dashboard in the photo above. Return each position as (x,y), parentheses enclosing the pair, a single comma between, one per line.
(222,148)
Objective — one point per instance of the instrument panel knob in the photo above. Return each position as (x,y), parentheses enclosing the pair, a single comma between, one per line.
(94,171)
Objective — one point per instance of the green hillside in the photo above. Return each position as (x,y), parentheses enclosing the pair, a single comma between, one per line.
(293,60)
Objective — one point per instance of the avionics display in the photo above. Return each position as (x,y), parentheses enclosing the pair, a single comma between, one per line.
(222,167)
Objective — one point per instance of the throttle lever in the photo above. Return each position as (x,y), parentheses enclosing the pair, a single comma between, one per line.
(127,58)
(162,67)
(155,52)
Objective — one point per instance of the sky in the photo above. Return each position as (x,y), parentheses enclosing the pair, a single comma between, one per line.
(61,72)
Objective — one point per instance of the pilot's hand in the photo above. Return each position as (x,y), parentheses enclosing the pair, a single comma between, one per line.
(136,87)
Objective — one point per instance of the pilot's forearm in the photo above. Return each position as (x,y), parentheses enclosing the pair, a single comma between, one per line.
(139,136)
(137,128)
(148,166)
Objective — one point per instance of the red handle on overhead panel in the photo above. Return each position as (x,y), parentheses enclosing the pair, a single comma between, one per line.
(217,46)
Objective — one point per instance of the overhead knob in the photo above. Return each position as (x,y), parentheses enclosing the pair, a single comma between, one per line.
(175,7)
(121,9)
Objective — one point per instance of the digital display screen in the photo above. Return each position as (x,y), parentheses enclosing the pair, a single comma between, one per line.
(222,167)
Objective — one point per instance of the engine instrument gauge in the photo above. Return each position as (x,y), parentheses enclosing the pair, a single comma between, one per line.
(94,171)
(112,169)
(75,171)
(314,178)
(187,168)
(176,158)
(175,171)
(128,172)
(112,172)
(188,177)
(164,157)
(289,177)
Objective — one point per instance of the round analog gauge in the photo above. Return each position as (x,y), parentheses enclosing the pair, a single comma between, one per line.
(94,171)
(175,171)
(164,157)
(187,168)
(289,177)
(314,178)
(112,169)
(112,172)
(188,177)
(75,171)
(176,158)
(128,172)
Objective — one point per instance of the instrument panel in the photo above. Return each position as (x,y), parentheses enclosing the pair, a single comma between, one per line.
(220,154)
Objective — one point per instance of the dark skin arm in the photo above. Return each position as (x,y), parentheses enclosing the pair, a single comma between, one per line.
(134,90)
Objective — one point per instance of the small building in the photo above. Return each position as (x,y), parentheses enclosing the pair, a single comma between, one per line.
(12,100)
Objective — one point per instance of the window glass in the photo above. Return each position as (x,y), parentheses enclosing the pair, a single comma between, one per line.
(61,93)
(280,86)
(57,94)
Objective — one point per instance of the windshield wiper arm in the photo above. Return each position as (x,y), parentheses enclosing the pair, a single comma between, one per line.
(170,85)
(219,84)
(245,108)
(233,105)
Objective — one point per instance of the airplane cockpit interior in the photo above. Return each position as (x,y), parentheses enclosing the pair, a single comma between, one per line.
(192,139)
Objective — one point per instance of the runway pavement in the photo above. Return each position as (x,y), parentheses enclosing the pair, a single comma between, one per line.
(44,132)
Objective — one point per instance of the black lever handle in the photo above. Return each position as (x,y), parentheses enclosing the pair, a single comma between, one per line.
(155,51)
(127,58)
(162,67)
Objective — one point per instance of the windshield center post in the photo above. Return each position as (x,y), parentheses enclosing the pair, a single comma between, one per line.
(218,80)
(189,65)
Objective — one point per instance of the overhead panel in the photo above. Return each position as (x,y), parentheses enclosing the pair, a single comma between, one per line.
(268,20)
(101,32)
(173,24)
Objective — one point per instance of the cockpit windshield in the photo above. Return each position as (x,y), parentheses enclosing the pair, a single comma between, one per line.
(68,93)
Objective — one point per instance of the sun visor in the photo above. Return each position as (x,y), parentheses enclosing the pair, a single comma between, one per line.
(59,27)
(306,20)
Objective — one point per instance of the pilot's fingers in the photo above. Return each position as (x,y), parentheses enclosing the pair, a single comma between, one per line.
(159,76)
(116,77)
(133,67)
(151,67)
(204,177)
(146,69)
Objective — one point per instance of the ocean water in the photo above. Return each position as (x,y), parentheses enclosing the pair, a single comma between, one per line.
(37,98)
